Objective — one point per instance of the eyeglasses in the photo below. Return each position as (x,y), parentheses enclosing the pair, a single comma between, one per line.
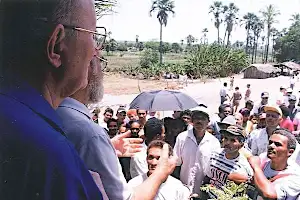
(99,35)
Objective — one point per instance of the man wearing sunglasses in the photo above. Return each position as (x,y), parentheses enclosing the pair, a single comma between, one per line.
(258,139)
(275,178)
(46,51)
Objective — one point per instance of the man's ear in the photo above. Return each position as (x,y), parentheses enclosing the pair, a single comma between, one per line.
(54,46)
(291,151)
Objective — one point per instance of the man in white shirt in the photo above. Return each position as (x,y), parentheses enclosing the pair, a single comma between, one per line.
(171,189)
(153,129)
(259,106)
(224,93)
(193,149)
(108,114)
(275,178)
(258,139)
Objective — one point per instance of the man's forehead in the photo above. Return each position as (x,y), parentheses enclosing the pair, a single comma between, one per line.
(279,138)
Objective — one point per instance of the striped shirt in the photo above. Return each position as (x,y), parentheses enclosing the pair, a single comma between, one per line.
(220,167)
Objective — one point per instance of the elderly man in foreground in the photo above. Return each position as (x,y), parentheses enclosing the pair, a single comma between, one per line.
(46,50)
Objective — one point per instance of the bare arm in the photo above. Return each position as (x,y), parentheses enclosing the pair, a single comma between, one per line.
(260,180)
(148,189)
(237,178)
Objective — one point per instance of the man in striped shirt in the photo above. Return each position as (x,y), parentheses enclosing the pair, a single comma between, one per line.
(228,163)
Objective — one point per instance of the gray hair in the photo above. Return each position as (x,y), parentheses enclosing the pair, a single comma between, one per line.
(292,142)
(24,36)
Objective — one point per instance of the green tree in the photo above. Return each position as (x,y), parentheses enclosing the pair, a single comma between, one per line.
(190,40)
(152,45)
(163,8)
(257,28)
(217,10)
(269,17)
(248,21)
(231,19)
(295,19)
(104,7)
(176,47)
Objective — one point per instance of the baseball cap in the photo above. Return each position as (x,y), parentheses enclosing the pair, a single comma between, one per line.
(234,130)
(200,109)
(274,109)
(283,87)
(264,94)
(229,120)
(289,90)
(292,98)
(121,109)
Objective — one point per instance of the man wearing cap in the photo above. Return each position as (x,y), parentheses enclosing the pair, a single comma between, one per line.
(121,115)
(258,141)
(264,101)
(292,106)
(227,163)
(193,149)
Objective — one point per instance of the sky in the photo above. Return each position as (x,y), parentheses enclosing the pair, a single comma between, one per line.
(191,17)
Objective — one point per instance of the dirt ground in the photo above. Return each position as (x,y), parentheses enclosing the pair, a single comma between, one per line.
(116,84)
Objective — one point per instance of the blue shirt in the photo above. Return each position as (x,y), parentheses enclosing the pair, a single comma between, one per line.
(36,159)
(94,147)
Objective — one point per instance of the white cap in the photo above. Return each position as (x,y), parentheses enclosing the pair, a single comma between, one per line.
(289,90)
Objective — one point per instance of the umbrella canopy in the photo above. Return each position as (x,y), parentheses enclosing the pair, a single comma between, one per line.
(163,100)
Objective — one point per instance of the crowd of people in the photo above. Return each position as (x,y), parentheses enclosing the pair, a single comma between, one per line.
(52,147)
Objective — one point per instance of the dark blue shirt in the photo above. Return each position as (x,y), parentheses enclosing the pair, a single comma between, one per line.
(36,159)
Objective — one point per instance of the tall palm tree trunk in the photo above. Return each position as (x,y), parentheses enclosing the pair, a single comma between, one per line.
(253,50)
(228,39)
(160,46)
(224,38)
(256,46)
(247,41)
(268,43)
(218,35)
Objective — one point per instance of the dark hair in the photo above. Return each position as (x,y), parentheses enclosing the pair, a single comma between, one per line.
(109,110)
(159,144)
(248,85)
(249,102)
(137,111)
(223,106)
(225,84)
(292,142)
(197,113)
(186,112)
(111,120)
(134,121)
(24,17)
(237,88)
(285,110)
(152,129)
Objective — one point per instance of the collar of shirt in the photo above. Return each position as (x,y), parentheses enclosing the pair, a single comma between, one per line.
(192,137)
(76,105)
(30,97)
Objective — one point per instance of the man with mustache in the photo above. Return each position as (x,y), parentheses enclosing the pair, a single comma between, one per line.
(97,150)
(193,149)
(275,178)
(171,188)
(227,163)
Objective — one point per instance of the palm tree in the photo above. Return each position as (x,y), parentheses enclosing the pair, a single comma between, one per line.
(274,33)
(190,40)
(231,18)
(295,19)
(269,16)
(104,7)
(257,29)
(163,8)
(204,32)
(217,10)
(248,21)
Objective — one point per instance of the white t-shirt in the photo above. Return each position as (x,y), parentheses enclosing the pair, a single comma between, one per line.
(223,92)
(288,187)
(194,158)
(220,167)
(138,163)
(171,189)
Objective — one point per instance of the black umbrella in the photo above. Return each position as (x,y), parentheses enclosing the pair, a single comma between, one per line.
(163,100)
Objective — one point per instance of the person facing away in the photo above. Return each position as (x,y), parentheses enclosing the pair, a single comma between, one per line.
(45,58)
(275,178)
(236,98)
(285,121)
(96,149)
(248,93)
(171,188)
(224,93)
